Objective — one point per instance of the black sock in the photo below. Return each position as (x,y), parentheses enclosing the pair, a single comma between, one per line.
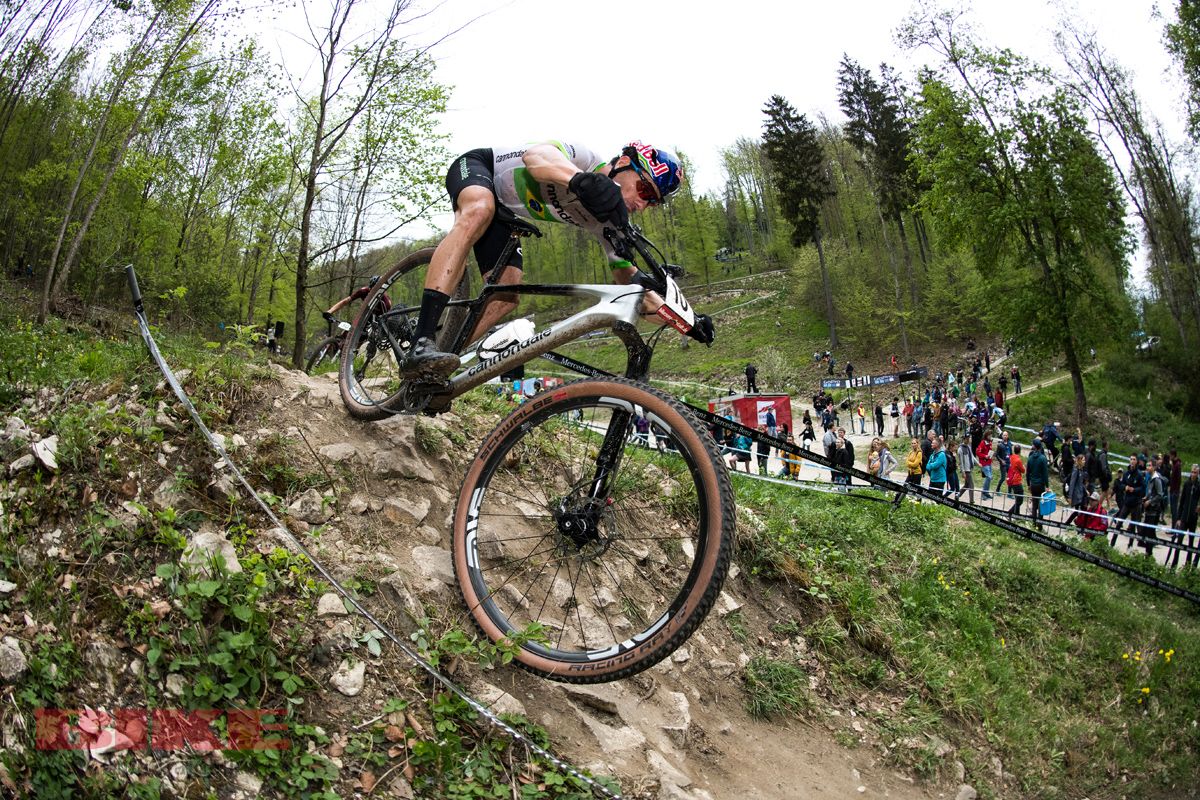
(433,303)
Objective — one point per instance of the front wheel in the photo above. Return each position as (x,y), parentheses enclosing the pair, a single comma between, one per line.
(594,556)
(324,354)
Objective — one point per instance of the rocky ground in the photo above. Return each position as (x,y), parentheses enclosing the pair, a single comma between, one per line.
(382,520)
(679,729)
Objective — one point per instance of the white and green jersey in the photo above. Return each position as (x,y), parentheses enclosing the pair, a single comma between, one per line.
(524,196)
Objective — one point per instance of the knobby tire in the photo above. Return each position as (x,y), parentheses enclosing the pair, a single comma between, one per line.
(619,602)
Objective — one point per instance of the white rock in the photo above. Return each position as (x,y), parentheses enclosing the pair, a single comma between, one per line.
(349,680)
(667,773)
(280,538)
(205,546)
(357,505)
(331,605)
(342,451)
(678,718)
(310,507)
(726,604)
(722,669)
(966,792)
(16,428)
(21,464)
(429,535)
(175,684)
(178,772)
(47,451)
(497,699)
(248,782)
(7,587)
(413,510)
(682,655)
(434,563)
(12,660)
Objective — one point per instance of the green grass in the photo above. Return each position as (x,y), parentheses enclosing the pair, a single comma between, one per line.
(1118,410)
(991,642)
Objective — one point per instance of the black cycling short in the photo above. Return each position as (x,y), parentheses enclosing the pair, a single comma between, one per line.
(474,168)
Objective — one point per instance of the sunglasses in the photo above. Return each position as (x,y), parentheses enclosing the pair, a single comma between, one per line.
(645,187)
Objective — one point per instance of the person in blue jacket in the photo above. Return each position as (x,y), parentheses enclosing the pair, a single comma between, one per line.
(936,466)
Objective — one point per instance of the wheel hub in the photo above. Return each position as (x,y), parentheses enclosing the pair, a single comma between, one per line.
(578,520)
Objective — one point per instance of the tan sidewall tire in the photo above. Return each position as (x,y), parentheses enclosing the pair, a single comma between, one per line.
(713,561)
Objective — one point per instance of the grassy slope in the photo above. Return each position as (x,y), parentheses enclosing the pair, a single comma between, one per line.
(1056,667)
(1119,410)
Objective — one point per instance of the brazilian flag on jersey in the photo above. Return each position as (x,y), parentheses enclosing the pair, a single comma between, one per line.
(529,192)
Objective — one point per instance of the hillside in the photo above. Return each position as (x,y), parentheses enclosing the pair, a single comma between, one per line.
(907,652)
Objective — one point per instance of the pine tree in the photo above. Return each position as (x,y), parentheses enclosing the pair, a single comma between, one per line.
(799,174)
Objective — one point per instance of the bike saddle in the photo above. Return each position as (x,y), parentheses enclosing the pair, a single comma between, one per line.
(520,226)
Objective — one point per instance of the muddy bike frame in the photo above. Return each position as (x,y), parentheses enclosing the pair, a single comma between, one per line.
(616,307)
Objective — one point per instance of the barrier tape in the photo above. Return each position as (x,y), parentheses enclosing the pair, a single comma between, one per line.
(412,655)
(903,489)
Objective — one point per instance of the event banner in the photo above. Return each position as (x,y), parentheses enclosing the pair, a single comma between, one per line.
(859,381)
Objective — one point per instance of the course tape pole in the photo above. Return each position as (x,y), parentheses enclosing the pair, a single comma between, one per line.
(412,655)
(902,489)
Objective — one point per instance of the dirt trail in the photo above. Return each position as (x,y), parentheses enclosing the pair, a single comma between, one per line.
(678,730)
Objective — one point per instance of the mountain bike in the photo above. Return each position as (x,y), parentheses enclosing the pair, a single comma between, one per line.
(594,556)
(329,349)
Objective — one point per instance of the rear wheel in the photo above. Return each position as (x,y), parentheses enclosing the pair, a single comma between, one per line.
(324,355)
(597,556)
(369,376)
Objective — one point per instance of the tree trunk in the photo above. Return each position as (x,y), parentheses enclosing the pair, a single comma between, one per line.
(883,225)
(833,340)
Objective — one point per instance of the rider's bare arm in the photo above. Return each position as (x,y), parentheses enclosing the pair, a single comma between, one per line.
(547,164)
(339,305)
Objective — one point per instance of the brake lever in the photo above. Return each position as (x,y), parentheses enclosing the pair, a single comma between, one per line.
(674,270)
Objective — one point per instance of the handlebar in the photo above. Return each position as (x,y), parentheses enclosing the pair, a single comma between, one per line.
(627,240)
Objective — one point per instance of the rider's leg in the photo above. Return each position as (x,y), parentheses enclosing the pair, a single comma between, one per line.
(475,208)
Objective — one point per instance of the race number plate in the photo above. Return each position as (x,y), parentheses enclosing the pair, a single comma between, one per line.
(675,309)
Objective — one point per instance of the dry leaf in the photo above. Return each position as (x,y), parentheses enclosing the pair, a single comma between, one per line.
(393,733)
(395,751)
(160,608)
(367,781)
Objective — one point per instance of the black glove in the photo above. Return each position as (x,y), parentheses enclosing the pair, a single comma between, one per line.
(703,331)
(600,196)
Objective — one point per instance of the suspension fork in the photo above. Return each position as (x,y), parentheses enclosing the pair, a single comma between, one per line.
(637,366)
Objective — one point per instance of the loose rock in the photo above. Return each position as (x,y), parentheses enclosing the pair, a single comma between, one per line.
(434,563)
(331,605)
(966,792)
(205,547)
(12,660)
(310,507)
(349,680)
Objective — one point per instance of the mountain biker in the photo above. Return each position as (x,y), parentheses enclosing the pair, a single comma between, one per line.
(554,181)
(358,294)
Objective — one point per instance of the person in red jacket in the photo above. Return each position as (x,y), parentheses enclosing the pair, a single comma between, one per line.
(1016,479)
(1092,520)
(984,453)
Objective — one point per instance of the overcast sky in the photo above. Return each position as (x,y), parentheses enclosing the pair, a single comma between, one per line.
(695,76)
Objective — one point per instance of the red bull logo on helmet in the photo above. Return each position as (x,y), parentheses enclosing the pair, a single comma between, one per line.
(648,153)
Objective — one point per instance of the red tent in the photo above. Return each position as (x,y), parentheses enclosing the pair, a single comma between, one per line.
(751,409)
